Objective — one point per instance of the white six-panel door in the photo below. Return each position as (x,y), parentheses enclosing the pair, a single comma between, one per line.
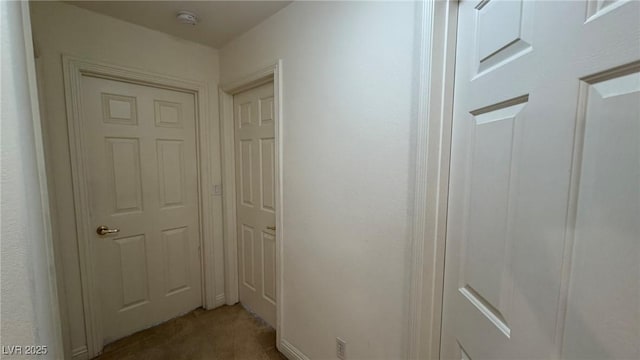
(543,234)
(143,181)
(255,189)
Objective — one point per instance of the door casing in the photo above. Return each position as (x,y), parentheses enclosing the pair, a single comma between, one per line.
(272,73)
(74,68)
(436,34)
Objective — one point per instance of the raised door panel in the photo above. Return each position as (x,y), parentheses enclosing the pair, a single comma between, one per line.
(246,172)
(244,115)
(486,280)
(132,266)
(596,8)
(124,174)
(171,172)
(603,321)
(247,242)
(267,175)
(119,109)
(503,32)
(266,111)
(168,114)
(269,267)
(176,265)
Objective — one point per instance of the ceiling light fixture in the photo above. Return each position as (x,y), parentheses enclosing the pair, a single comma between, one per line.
(186,17)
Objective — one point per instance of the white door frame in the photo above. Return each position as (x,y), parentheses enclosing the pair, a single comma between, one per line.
(227,131)
(437,34)
(74,69)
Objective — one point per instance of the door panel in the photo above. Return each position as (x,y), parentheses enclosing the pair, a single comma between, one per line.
(267,174)
(606,323)
(123,157)
(176,243)
(248,260)
(269,267)
(503,33)
(171,175)
(495,141)
(521,256)
(255,174)
(246,172)
(133,271)
(142,180)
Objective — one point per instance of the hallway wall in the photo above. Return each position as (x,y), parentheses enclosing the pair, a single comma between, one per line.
(28,298)
(347,107)
(65,29)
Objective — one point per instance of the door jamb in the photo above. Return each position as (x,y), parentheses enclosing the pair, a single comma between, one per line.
(437,45)
(226,91)
(74,68)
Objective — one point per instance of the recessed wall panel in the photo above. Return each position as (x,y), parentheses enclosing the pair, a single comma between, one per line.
(123,159)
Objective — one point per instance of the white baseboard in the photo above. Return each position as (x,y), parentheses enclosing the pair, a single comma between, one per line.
(80,353)
(220,300)
(291,352)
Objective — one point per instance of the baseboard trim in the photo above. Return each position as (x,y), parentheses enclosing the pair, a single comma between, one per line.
(220,300)
(291,352)
(80,353)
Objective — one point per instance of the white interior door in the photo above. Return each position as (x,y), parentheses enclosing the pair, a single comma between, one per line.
(255,189)
(543,234)
(143,181)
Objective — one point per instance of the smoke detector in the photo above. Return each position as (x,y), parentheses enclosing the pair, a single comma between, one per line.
(186,17)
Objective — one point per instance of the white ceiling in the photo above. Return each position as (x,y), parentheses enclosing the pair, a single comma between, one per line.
(219,21)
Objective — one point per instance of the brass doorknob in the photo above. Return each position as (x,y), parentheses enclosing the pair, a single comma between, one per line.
(271,228)
(103,230)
